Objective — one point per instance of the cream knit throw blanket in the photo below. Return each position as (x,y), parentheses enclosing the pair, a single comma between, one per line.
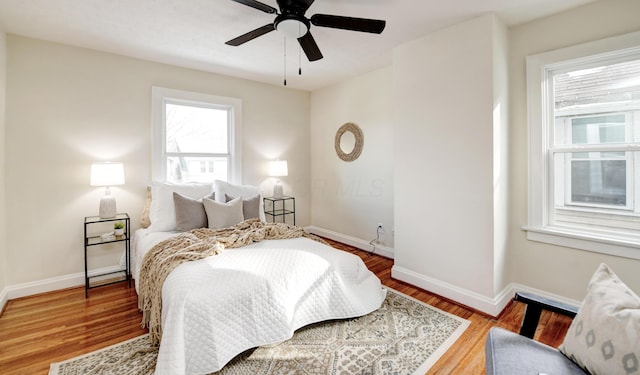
(193,245)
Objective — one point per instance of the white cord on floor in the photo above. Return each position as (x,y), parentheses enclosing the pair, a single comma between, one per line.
(374,241)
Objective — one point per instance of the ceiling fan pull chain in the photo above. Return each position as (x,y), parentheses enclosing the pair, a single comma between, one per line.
(299,54)
(285,60)
(299,61)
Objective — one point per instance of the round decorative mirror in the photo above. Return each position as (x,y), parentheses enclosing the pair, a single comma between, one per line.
(349,142)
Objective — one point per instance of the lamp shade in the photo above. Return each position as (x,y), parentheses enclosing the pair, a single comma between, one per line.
(107,174)
(278,168)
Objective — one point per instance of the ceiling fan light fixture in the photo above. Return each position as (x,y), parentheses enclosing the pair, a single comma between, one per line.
(292,28)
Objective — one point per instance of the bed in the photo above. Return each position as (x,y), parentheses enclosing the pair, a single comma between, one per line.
(219,306)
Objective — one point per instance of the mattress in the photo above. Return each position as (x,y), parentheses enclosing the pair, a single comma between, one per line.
(143,241)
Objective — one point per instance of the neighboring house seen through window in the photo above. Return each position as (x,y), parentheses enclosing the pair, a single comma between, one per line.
(584,127)
(195,137)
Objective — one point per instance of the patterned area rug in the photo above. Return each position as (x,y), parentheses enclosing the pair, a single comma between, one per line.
(404,336)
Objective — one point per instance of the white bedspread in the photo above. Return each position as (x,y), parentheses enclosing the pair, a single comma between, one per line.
(216,308)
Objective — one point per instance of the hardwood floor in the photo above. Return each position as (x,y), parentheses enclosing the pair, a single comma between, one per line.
(51,327)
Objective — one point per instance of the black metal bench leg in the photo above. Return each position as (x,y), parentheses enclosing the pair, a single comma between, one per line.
(530,321)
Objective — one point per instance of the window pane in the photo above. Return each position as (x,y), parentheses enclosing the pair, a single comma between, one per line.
(196,169)
(584,88)
(598,102)
(196,129)
(598,129)
(599,182)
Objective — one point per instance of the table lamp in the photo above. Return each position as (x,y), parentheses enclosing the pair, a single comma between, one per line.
(107,174)
(278,168)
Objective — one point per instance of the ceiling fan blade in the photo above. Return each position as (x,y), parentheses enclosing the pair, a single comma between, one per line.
(294,6)
(310,47)
(348,23)
(251,35)
(257,5)
(307,3)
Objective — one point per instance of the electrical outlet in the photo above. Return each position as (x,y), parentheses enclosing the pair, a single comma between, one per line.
(380,228)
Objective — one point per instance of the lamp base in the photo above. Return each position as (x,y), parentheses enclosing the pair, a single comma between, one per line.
(107,207)
(277,190)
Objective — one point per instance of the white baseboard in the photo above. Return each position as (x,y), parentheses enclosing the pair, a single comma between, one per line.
(385,251)
(3,298)
(47,285)
(492,306)
(515,287)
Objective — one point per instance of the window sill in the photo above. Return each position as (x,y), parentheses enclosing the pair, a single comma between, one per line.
(599,243)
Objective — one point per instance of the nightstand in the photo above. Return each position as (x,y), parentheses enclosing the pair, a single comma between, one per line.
(283,207)
(95,229)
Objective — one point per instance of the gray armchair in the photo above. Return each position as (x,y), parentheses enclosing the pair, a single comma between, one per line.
(508,353)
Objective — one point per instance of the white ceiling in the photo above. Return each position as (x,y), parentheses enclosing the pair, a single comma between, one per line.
(191,33)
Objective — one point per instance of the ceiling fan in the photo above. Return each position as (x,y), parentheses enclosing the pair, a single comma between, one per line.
(292,22)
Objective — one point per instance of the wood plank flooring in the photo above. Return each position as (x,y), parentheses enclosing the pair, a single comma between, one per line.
(51,327)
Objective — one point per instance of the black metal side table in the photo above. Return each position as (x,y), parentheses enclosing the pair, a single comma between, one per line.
(93,238)
(280,207)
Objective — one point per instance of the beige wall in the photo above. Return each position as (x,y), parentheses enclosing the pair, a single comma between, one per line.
(442,106)
(459,218)
(555,269)
(500,168)
(3,242)
(450,108)
(351,198)
(68,107)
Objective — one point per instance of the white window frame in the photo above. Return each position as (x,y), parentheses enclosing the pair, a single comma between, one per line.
(160,96)
(540,124)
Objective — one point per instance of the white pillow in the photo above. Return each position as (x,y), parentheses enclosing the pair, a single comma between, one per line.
(244,191)
(250,206)
(604,338)
(223,215)
(162,212)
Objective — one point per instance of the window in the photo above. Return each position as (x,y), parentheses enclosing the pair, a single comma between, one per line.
(196,137)
(599,178)
(584,135)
